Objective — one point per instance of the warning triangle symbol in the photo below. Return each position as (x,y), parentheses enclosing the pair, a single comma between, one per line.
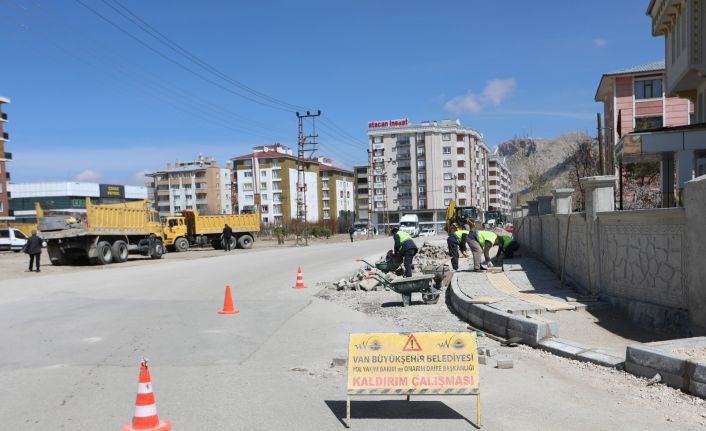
(412,345)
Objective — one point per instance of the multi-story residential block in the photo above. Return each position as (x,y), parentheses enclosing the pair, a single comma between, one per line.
(362,199)
(266,180)
(67,196)
(499,184)
(422,167)
(634,100)
(680,149)
(4,174)
(199,185)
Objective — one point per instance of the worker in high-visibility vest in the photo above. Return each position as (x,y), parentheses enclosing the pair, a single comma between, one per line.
(404,249)
(486,240)
(508,246)
(471,239)
(453,242)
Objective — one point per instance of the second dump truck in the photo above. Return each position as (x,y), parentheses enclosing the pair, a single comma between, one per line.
(192,229)
(104,234)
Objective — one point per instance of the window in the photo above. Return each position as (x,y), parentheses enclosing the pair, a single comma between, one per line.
(277,197)
(421,176)
(461,163)
(447,202)
(462,189)
(447,176)
(447,150)
(263,185)
(447,163)
(277,209)
(459,138)
(177,208)
(420,163)
(644,123)
(247,163)
(247,187)
(264,197)
(421,190)
(275,163)
(448,189)
(445,136)
(460,150)
(20,235)
(462,202)
(276,175)
(247,174)
(263,174)
(648,88)
(377,139)
(462,177)
(325,194)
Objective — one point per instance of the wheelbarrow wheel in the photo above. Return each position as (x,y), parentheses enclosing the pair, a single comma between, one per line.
(430,298)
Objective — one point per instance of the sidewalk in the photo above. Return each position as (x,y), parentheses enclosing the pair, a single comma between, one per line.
(527,301)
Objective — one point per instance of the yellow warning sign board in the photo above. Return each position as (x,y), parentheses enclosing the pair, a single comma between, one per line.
(443,363)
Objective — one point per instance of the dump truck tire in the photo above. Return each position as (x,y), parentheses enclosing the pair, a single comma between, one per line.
(245,241)
(105,254)
(181,244)
(120,251)
(158,250)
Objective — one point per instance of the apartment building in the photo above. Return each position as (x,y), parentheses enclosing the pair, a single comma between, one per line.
(499,184)
(4,174)
(266,180)
(67,196)
(198,184)
(337,192)
(681,150)
(422,167)
(633,100)
(361,194)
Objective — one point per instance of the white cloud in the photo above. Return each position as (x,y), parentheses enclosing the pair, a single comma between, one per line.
(494,93)
(496,90)
(139,178)
(89,176)
(468,103)
(600,43)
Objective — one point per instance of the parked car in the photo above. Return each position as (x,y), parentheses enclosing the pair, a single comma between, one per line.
(360,228)
(12,239)
(427,232)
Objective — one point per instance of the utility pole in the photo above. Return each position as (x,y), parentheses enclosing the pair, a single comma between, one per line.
(305,150)
(371,194)
(601,156)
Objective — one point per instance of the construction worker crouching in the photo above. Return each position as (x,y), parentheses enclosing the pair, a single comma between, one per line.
(404,249)
(486,240)
(508,246)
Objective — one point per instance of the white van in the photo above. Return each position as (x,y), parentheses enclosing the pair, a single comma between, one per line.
(12,239)
(410,223)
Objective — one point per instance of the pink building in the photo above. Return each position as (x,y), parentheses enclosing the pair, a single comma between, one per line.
(636,96)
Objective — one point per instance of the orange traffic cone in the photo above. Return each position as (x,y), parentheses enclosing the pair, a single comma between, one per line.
(228,304)
(300,279)
(145,410)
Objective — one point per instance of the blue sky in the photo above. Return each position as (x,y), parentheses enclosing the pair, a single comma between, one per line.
(91,103)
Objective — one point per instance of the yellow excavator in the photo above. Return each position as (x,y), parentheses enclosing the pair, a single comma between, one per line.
(461,215)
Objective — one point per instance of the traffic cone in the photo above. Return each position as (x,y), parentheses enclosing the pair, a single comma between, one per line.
(146,418)
(300,279)
(228,304)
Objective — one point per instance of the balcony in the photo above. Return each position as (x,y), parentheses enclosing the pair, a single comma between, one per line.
(378,146)
(7,156)
(405,182)
(404,168)
(404,155)
(5,136)
(378,159)
(3,116)
(379,198)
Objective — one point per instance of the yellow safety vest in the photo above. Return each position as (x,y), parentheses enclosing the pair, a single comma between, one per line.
(403,236)
(460,233)
(486,235)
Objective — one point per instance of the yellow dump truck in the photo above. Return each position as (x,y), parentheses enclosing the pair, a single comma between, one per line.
(104,234)
(191,229)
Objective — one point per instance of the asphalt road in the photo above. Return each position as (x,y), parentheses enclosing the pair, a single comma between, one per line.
(71,343)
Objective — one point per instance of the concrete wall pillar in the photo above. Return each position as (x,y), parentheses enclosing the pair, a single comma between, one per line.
(525,210)
(600,194)
(532,208)
(563,200)
(695,208)
(545,204)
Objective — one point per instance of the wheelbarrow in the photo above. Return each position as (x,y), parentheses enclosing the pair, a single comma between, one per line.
(384,266)
(442,274)
(423,284)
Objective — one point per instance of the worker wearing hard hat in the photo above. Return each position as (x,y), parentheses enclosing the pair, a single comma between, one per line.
(404,249)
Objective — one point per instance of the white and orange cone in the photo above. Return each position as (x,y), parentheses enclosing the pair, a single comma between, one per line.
(146,418)
(300,279)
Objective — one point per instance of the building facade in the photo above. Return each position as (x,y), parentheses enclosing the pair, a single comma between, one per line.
(5,157)
(634,99)
(361,194)
(67,196)
(198,185)
(266,181)
(422,167)
(499,184)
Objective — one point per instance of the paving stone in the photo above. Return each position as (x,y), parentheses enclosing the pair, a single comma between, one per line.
(504,364)
(483,360)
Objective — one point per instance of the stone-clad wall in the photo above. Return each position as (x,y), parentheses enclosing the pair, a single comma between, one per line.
(638,260)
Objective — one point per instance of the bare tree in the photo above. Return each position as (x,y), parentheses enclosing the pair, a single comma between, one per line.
(583,162)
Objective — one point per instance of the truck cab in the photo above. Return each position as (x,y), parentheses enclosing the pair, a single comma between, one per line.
(410,223)
(175,233)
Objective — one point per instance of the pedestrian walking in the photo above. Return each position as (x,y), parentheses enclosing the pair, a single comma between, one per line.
(227,235)
(279,233)
(33,247)
(351,231)
(404,249)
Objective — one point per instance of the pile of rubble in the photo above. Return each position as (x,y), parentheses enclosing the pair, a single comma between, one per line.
(429,258)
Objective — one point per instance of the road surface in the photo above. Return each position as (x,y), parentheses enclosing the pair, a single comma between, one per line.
(72,342)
